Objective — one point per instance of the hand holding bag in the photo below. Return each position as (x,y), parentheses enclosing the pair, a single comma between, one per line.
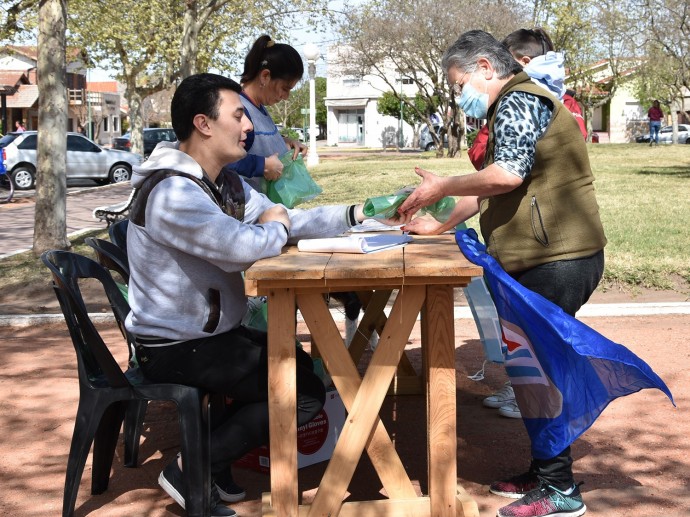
(295,185)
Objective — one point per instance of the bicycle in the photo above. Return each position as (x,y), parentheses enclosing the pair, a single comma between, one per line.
(6,185)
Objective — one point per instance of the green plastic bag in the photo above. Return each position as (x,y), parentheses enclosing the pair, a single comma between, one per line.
(256,316)
(386,207)
(440,210)
(295,185)
(257,313)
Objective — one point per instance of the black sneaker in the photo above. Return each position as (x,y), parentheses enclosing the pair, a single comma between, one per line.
(172,482)
(228,490)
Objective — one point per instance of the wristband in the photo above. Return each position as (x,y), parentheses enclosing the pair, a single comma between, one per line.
(352,219)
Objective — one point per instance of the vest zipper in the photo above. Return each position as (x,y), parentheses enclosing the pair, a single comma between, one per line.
(534,207)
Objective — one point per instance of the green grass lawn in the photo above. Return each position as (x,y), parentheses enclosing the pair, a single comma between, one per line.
(643,194)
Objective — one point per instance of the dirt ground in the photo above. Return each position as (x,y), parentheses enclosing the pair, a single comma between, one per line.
(634,461)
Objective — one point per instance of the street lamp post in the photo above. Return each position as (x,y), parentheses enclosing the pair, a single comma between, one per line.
(311,52)
(400,120)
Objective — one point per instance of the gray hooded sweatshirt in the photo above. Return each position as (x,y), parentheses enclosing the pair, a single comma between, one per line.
(186,263)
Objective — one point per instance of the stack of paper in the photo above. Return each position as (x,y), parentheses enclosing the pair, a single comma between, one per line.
(372,225)
(354,243)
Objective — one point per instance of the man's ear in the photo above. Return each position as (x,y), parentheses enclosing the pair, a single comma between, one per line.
(201,124)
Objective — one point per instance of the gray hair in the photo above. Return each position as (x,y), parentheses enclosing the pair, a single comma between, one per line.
(474,45)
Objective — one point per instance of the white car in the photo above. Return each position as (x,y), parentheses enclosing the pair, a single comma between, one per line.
(666,135)
(85,160)
(300,133)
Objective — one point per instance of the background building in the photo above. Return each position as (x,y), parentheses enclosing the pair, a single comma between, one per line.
(95,106)
(351,103)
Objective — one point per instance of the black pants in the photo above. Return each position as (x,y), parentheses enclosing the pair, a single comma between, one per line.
(568,284)
(234,364)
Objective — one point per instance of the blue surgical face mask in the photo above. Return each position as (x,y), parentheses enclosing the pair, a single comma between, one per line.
(473,102)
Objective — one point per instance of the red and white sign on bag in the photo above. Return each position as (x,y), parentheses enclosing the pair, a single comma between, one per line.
(315,440)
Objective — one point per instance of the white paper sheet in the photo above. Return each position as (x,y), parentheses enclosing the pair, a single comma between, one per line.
(354,243)
(372,225)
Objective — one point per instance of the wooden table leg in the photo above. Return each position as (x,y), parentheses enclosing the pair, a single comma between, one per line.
(438,345)
(373,319)
(380,449)
(282,401)
(406,381)
(367,404)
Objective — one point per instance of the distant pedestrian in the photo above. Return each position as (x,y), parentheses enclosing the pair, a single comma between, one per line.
(655,115)
(19,126)
(81,129)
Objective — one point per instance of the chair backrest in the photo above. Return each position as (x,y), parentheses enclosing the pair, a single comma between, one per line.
(118,234)
(110,256)
(97,366)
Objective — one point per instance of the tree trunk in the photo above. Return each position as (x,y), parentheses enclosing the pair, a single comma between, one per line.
(190,37)
(589,113)
(136,119)
(456,130)
(50,226)
(674,121)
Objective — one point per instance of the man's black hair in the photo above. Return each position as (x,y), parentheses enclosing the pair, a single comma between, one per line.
(197,95)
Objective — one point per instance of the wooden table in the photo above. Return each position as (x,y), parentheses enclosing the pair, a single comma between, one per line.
(424,273)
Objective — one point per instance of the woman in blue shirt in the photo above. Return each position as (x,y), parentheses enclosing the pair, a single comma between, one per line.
(271,71)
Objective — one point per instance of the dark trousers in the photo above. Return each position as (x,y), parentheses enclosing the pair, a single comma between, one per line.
(233,364)
(568,284)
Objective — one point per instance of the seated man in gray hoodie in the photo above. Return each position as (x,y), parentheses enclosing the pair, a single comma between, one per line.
(192,233)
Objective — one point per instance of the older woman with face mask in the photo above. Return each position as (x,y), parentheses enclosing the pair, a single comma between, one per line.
(538,215)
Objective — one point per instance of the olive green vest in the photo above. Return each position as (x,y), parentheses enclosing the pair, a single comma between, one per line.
(554,214)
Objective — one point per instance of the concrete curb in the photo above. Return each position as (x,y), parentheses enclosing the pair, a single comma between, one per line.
(593,310)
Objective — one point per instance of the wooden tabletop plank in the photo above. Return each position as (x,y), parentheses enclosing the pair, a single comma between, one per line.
(290,265)
(427,259)
(382,264)
(437,256)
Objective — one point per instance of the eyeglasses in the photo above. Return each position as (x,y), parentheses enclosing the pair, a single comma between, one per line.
(457,87)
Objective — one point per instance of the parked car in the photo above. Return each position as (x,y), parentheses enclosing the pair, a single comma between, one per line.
(666,135)
(427,143)
(84,160)
(152,135)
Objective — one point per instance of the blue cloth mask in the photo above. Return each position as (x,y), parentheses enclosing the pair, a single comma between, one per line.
(473,102)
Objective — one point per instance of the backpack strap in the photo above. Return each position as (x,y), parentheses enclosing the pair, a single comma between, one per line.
(229,196)
(232,191)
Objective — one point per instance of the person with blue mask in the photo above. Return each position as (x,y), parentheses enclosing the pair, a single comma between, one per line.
(533,49)
(538,216)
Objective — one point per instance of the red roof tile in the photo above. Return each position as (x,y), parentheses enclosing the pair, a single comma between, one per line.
(11,78)
(26,97)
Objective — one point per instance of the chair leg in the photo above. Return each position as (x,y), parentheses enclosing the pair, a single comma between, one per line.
(134,420)
(104,446)
(85,426)
(194,434)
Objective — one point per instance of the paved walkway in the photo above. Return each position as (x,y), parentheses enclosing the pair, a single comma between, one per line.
(17,218)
